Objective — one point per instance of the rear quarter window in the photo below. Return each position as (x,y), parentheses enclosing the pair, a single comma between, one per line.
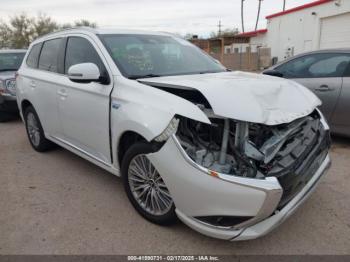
(33,57)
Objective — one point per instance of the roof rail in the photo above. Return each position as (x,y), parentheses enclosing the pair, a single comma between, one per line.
(86,28)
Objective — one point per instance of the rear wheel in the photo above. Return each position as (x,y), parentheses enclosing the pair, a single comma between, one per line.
(145,187)
(35,131)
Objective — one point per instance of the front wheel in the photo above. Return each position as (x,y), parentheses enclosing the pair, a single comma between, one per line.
(145,187)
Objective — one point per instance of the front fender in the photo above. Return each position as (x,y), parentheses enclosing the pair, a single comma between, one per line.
(146,110)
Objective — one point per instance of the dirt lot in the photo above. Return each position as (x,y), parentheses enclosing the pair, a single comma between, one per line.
(58,203)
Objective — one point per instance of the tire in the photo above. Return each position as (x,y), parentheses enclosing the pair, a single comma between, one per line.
(35,131)
(146,190)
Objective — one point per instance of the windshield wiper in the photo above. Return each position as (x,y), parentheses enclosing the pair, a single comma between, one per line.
(143,76)
(8,69)
(211,72)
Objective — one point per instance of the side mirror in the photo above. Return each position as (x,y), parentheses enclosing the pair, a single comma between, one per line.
(273,73)
(84,73)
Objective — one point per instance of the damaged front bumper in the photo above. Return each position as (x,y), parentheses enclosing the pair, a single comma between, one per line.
(199,192)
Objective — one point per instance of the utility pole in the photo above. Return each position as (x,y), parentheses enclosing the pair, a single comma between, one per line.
(257,17)
(219,26)
(242,15)
(284,5)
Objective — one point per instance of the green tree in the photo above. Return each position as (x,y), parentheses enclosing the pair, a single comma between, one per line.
(22,31)
(5,35)
(226,32)
(84,22)
(44,25)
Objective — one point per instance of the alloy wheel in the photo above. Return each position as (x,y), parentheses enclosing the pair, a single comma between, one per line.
(148,187)
(33,129)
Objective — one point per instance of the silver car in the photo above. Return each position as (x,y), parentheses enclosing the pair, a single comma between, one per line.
(10,61)
(327,74)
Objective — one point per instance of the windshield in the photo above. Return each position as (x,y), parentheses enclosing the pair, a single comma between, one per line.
(10,61)
(140,56)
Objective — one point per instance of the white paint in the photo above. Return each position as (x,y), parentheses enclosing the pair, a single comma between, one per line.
(240,96)
(85,71)
(76,116)
(322,26)
(335,31)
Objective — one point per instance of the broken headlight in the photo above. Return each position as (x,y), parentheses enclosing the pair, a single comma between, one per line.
(168,131)
(217,146)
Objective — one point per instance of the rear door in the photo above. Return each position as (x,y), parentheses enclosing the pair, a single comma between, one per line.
(40,79)
(340,119)
(321,73)
(84,107)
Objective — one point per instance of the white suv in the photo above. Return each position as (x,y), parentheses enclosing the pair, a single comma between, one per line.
(231,154)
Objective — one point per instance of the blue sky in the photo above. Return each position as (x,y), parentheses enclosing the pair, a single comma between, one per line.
(177,16)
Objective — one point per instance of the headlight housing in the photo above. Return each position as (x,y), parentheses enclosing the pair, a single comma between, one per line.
(169,130)
(11,86)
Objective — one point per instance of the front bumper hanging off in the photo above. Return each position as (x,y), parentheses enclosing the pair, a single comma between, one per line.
(198,192)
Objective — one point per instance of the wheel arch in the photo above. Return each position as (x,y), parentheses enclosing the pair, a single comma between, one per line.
(126,140)
(25,104)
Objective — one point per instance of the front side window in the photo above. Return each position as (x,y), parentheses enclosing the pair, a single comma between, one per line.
(33,57)
(80,50)
(49,55)
(316,66)
(140,56)
(10,61)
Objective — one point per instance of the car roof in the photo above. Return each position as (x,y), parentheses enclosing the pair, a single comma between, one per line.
(102,31)
(5,51)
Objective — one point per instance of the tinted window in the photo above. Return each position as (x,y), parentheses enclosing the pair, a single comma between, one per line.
(79,50)
(316,66)
(49,55)
(33,57)
(10,61)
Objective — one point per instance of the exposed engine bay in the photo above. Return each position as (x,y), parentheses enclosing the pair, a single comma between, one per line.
(247,149)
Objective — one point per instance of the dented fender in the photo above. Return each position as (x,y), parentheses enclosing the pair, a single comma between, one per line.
(146,110)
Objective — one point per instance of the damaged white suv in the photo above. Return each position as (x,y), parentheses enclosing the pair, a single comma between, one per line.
(231,154)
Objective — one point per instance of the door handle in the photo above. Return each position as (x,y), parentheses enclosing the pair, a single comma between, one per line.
(32,84)
(324,88)
(62,93)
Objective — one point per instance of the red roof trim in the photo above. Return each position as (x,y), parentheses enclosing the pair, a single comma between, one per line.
(252,33)
(298,8)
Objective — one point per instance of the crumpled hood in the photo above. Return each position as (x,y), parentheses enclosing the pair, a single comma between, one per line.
(246,96)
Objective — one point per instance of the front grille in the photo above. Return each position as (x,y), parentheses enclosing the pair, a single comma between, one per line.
(299,158)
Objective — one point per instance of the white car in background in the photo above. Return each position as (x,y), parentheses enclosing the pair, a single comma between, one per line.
(231,154)
(10,61)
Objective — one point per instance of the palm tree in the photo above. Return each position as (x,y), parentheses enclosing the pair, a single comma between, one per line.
(257,17)
(242,15)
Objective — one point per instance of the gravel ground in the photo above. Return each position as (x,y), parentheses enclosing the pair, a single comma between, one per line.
(58,203)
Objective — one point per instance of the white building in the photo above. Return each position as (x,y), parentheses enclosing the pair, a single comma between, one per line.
(318,25)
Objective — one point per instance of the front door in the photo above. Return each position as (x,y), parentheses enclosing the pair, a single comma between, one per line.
(84,107)
(321,73)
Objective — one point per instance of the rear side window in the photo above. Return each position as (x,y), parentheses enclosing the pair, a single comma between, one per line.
(49,55)
(33,57)
(316,66)
(80,50)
